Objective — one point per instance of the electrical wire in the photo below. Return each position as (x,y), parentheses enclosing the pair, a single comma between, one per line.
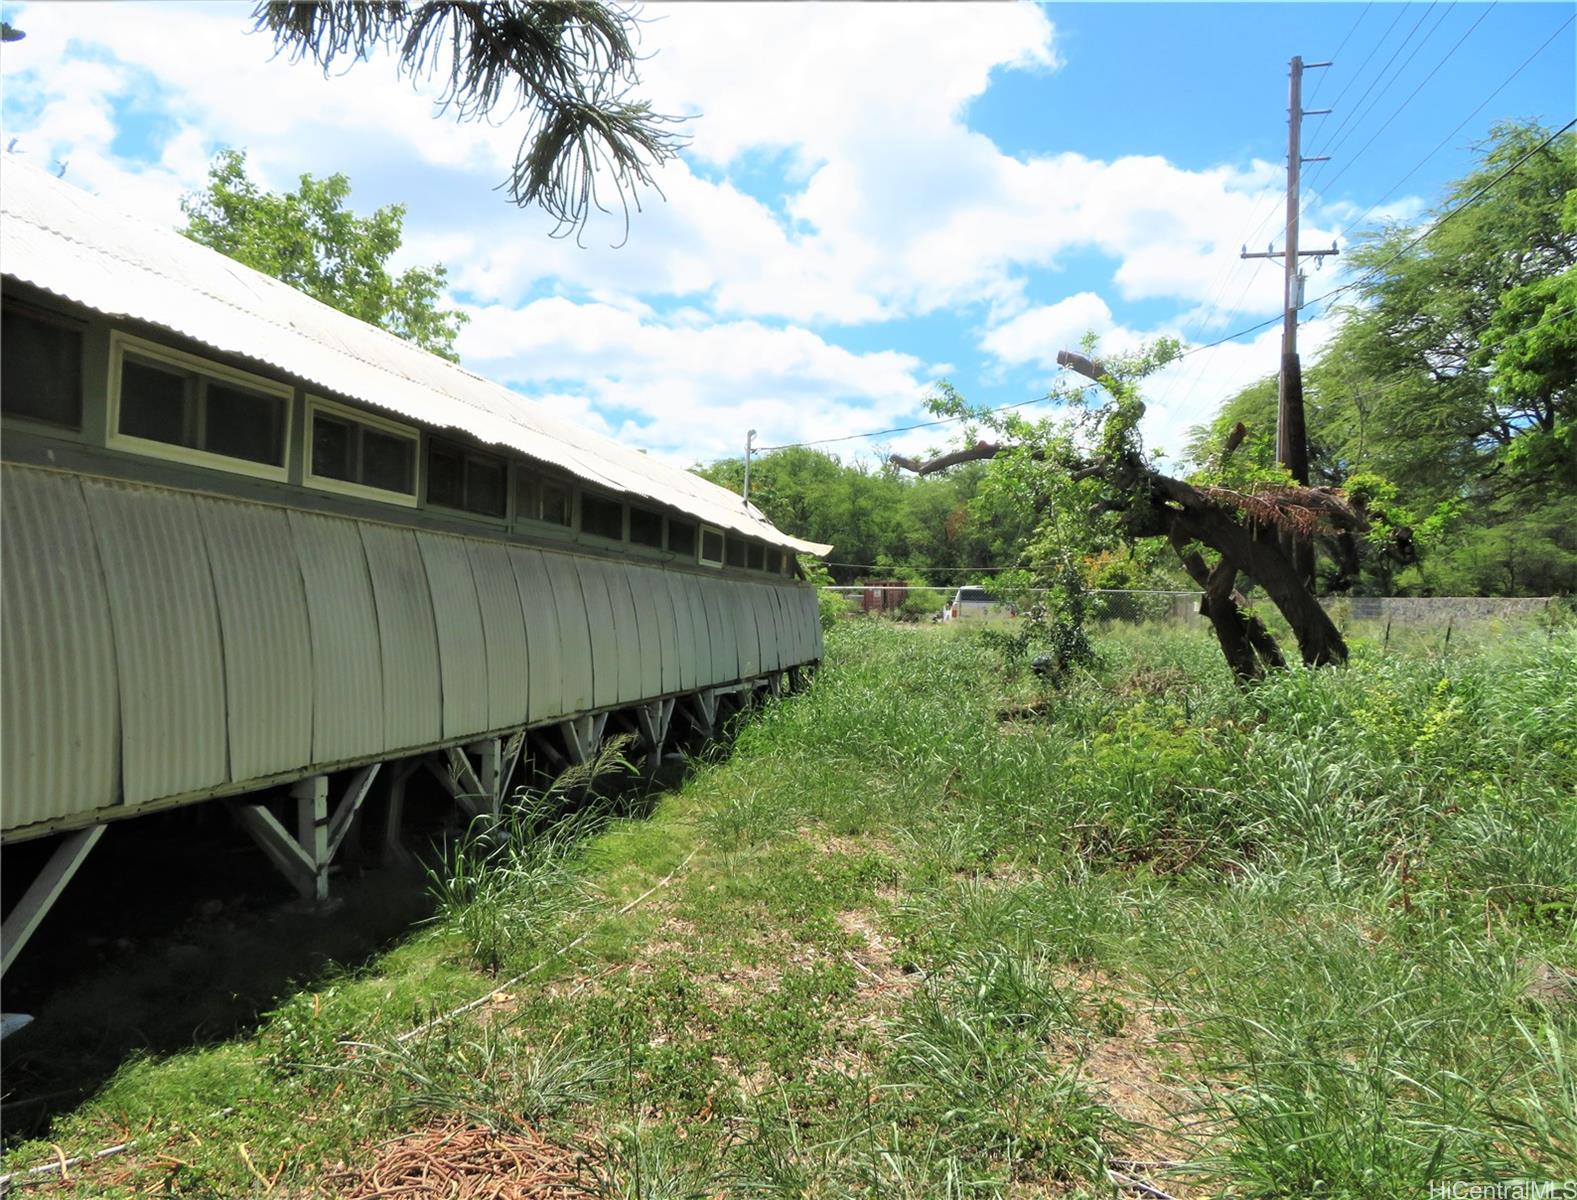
(1380,74)
(1356,75)
(1386,124)
(1335,58)
(1362,110)
(1458,210)
(855,437)
(1458,129)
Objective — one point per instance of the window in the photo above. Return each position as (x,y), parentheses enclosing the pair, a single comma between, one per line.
(541,499)
(349,451)
(681,538)
(646,527)
(756,555)
(736,550)
(602,516)
(468,480)
(42,372)
(186,408)
(711,547)
(775,562)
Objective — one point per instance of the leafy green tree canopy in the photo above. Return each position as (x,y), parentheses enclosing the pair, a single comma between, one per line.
(311,240)
(1454,375)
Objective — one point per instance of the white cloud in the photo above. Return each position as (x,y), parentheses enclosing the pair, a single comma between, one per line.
(686,391)
(892,206)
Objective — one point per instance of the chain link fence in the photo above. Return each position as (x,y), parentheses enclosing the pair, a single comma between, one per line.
(906,601)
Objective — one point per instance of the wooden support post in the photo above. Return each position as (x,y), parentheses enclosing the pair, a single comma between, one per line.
(282,849)
(350,805)
(42,893)
(703,710)
(490,752)
(582,736)
(394,850)
(652,720)
(460,781)
(312,829)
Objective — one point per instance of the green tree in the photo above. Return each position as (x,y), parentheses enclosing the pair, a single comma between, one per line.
(1453,376)
(566,66)
(1442,319)
(1086,483)
(311,240)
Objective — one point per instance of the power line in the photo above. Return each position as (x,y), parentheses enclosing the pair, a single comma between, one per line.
(1466,204)
(1192,350)
(1351,29)
(1380,74)
(1459,127)
(1386,124)
(1361,110)
(855,437)
(1337,103)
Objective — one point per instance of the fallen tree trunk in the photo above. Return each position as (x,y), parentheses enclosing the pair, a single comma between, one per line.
(1258,535)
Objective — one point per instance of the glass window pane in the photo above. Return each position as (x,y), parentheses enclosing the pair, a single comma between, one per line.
(646,527)
(757,555)
(556,506)
(736,551)
(333,443)
(244,424)
(445,475)
(711,546)
(601,516)
(528,496)
(775,561)
(681,537)
(388,461)
(41,375)
(485,486)
(153,404)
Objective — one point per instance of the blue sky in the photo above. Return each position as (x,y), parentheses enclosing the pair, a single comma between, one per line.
(873,197)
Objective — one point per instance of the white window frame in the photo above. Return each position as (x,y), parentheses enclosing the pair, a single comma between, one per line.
(346,487)
(700,546)
(122,343)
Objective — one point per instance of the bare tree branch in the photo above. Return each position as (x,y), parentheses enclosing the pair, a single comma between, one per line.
(975,453)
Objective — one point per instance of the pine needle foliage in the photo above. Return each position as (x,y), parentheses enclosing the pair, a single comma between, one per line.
(569,66)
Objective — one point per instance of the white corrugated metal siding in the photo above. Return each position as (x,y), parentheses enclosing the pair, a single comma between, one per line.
(60,740)
(407,636)
(605,646)
(347,659)
(684,629)
(648,630)
(725,636)
(654,583)
(545,689)
(574,633)
(745,623)
(267,637)
(167,640)
(504,628)
(462,646)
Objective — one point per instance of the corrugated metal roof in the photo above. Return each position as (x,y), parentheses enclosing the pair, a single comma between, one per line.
(59,238)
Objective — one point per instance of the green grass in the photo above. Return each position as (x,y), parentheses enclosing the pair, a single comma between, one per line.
(934,931)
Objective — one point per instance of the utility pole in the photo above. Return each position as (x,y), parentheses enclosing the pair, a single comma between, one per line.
(1292,448)
(750,442)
